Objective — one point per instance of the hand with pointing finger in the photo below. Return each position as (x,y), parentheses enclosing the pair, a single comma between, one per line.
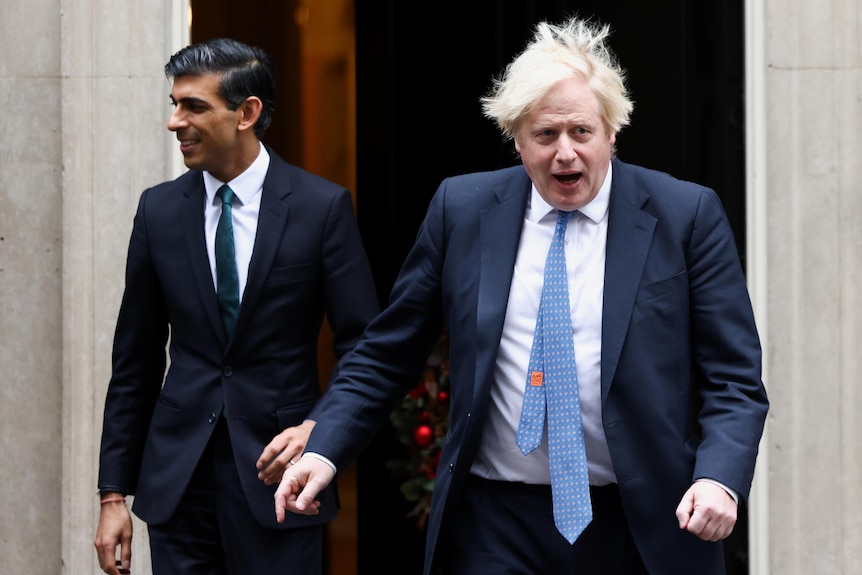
(300,485)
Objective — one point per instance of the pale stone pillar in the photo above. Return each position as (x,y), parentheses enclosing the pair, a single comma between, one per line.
(114,107)
(809,199)
(30,288)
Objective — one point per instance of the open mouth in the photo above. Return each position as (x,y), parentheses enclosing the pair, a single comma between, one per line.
(568,178)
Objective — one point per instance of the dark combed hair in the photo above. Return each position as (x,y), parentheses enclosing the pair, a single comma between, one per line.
(244,71)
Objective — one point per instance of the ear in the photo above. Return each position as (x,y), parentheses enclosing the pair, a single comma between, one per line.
(248,113)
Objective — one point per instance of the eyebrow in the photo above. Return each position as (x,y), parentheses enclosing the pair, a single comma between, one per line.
(188,100)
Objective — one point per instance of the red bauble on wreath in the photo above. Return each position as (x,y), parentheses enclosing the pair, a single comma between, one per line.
(422,436)
(421,423)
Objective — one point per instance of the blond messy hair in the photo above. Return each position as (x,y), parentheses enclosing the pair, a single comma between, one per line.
(557,52)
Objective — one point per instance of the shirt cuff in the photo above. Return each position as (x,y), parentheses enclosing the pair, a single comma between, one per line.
(730,491)
(321,458)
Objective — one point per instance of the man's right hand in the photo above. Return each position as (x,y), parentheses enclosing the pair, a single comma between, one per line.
(282,451)
(299,486)
(115,528)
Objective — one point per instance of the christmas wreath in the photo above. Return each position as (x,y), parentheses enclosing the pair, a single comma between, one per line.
(421,422)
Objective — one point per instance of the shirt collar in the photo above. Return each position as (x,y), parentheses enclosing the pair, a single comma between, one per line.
(596,210)
(246,185)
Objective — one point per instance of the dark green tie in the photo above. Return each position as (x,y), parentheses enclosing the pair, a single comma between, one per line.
(227,279)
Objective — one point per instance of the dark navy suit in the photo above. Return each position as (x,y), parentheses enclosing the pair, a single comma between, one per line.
(682,396)
(308,262)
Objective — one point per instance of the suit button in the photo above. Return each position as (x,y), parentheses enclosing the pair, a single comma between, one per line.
(451,468)
(212,418)
(227,371)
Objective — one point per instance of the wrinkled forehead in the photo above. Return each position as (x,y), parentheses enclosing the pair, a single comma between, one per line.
(570,100)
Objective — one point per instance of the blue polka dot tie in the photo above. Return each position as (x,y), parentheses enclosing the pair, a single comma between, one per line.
(227,279)
(552,384)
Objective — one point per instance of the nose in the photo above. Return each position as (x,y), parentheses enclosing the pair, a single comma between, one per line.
(566,149)
(176,121)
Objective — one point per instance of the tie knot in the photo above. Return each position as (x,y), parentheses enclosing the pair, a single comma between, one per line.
(562,223)
(225,194)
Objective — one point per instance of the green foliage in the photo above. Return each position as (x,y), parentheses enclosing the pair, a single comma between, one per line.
(421,422)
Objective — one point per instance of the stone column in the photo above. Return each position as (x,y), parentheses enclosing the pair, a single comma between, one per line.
(114,106)
(30,300)
(809,228)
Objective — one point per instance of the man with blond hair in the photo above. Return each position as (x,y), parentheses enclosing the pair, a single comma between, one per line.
(636,343)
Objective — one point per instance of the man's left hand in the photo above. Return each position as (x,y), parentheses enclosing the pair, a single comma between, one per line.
(708,511)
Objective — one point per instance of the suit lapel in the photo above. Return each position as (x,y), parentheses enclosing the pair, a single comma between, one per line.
(630,231)
(192,216)
(498,249)
(270,228)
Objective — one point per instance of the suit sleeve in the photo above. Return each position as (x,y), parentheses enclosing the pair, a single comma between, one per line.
(390,357)
(349,291)
(726,351)
(138,365)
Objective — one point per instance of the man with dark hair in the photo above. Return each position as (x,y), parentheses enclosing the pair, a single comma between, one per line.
(236,262)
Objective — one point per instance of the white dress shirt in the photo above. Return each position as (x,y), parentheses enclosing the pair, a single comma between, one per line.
(247,188)
(499,457)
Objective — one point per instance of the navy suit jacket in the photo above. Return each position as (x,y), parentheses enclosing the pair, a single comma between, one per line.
(308,262)
(682,396)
